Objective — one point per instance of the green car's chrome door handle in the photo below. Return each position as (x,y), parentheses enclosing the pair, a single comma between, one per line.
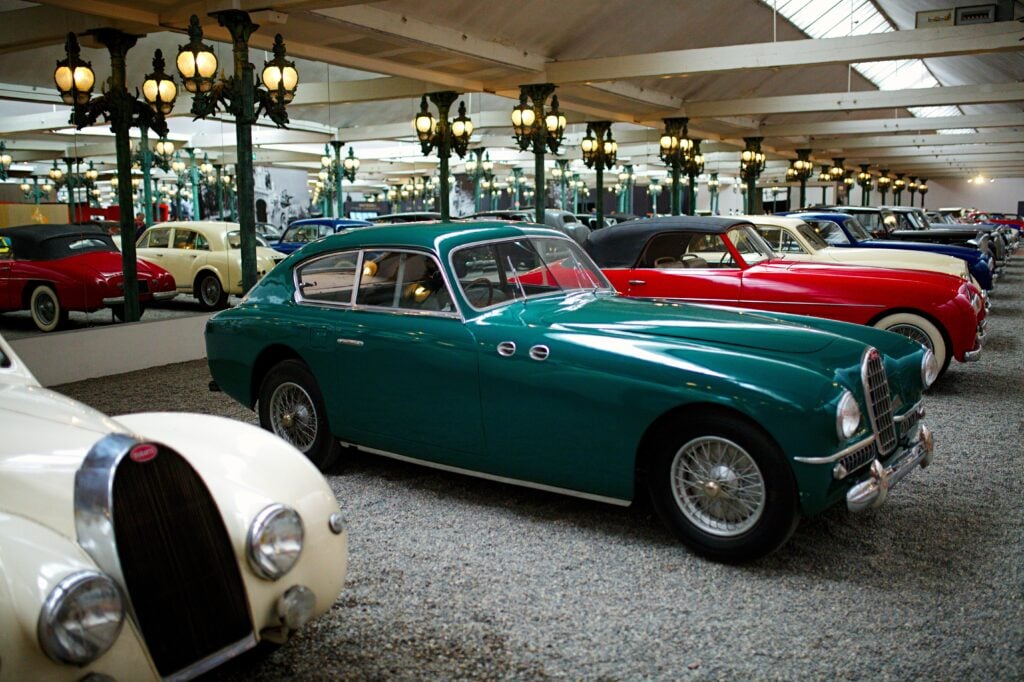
(350,342)
(507,349)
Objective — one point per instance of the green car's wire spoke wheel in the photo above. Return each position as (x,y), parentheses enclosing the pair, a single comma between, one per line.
(292,407)
(292,415)
(718,486)
(722,485)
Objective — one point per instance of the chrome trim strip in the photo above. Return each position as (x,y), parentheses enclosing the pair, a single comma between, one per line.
(113,300)
(215,659)
(492,477)
(350,342)
(849,450)
(94,515)
(734,302)
(917,407)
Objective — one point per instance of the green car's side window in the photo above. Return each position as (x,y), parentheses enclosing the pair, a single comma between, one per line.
(403,280)
(330,279)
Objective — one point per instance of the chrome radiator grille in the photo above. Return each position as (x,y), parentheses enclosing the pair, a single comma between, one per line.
(178,562)
(855,460)
(876,392)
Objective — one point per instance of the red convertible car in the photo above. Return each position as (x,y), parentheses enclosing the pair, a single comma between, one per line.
(724,261)
(53,269)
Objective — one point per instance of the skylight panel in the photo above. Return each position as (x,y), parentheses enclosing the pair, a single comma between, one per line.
(837,18)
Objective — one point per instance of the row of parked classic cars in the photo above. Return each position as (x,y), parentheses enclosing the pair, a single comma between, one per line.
(783,394)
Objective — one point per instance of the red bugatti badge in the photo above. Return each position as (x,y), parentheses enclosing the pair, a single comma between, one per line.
(143,453)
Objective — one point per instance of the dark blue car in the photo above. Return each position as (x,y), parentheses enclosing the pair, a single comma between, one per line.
(306,230)
(842,229)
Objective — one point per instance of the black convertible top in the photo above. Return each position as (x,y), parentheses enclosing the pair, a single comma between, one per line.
(49,242)
(620,245)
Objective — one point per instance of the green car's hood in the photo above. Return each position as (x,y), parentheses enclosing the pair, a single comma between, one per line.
(696,323)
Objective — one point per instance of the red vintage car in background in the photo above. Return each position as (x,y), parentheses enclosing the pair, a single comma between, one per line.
(724,261)
(53,269)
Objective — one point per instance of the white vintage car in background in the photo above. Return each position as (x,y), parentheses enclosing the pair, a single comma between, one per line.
(152,545)
(795,239)
(205,257)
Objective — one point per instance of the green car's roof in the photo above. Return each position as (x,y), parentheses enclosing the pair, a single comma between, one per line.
(434,236)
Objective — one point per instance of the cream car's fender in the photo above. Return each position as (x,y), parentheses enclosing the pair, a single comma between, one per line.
(33,560)
(217,262)
(238,462)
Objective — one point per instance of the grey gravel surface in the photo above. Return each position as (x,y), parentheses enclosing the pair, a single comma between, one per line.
(456,578)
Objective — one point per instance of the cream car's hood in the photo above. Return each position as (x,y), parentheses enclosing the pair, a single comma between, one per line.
(889,258)
(45,438)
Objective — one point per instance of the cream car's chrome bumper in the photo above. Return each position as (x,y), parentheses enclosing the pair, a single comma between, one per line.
(873,491)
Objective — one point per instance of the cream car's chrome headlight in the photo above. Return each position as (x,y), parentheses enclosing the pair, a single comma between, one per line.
(81,618)
(847,416)
(929,368)
(275,541)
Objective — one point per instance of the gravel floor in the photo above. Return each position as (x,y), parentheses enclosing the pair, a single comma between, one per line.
(456,578)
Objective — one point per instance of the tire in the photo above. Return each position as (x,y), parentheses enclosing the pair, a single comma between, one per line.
(923,331)
(292,408)
(723,487)
(210,291)
(118,311)
(47,312)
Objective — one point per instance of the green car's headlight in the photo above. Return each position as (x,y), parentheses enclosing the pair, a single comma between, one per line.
(81,618)
(929,368)
(847,416)
(275,541)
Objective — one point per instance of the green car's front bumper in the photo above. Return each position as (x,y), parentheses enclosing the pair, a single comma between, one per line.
(874,487)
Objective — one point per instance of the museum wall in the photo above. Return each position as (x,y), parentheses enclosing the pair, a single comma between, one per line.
(1001,194)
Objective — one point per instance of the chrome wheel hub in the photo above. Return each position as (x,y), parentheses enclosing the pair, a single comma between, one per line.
(718,486)
(293,416)
(913,333)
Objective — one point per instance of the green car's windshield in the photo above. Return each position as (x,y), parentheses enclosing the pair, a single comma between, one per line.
(516,269)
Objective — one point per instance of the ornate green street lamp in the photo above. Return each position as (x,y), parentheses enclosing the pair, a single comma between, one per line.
(626,195)
(802,169)
(240,96)
(922,189)
(897,188)
(884,182)
(752,163)
(675,148)
(561,173)
(912,188)
(534,127)
(713,185)
(5,160)
(866,182)
(694,167)
(824,177)
(443,135)
(600,152)
(74,79)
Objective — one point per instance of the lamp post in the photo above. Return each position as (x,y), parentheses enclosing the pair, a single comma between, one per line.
(444,136)
(342,169)
(802,170)
(533,127)
(194,176)
(74,79)
(242,98)
(178,167)
(654,189)
(713,185)
(848,181)
(515,185)
(922,189)
(5,160)
(694,167)
(675,149)
(865,182)
(626,193)
(897,188)
(561,173)
(824,177)
(884,181)
(752,162)
(34,191)
(912,187)
(600,151)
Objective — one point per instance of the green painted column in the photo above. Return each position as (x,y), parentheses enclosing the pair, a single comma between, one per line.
(147,190)
(194,175)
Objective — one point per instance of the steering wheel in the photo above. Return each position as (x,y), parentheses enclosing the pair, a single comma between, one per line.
(691,256)
(478,283)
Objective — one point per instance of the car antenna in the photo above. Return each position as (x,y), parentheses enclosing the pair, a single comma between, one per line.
(519,283)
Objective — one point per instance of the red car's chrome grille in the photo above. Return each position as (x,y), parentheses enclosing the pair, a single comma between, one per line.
(876,392)
(178,562)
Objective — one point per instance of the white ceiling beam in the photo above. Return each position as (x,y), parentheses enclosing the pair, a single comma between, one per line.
(368,90)
(891,125)
(951,150)
(920,43)
(31,122)
(439,37)
(868,99)
(888,141)
(962,158)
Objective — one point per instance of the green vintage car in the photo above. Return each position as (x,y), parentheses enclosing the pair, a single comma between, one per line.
(501,351)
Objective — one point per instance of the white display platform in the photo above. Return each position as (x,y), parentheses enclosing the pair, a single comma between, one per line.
(62,357)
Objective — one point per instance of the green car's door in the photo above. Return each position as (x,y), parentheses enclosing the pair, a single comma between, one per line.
(408,363)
